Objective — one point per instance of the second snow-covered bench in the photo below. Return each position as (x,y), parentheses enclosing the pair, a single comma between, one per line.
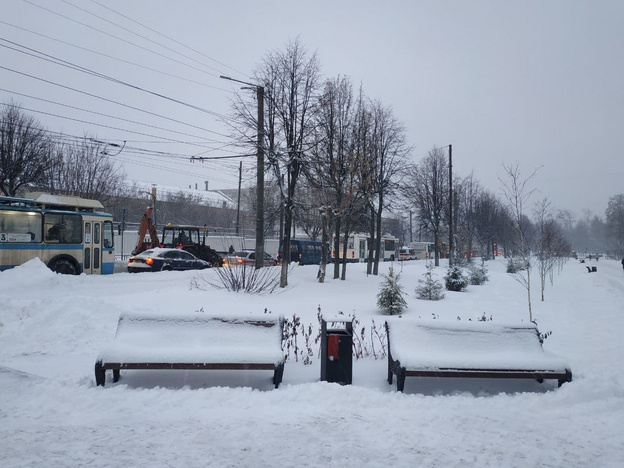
(418,348)
(194,341)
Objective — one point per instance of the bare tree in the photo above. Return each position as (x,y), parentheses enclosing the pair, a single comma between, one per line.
(337,157)
(517,194)
(426,187)
(84,169)
(388,151)
(25,150)
(615,224)
(291,80)
(466,194)
(489,218)
(550,244)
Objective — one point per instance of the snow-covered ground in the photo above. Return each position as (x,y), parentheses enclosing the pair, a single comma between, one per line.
(52,414)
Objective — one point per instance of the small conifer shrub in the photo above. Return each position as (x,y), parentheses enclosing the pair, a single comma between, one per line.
(478,274)
(430,288)
(390,296)
(455,279)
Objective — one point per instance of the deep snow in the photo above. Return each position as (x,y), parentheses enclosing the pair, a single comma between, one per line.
(52,414)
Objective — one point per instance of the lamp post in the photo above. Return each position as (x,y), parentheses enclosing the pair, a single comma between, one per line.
(450,205)
(260,172)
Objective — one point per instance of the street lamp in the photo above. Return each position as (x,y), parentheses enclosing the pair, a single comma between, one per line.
(260,172)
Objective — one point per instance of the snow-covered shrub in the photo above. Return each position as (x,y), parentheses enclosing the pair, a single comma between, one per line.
(478,274)
(514,265)
(243,278)
(430,288)
(390,296)
(456,279)
(301,342)
(298,339)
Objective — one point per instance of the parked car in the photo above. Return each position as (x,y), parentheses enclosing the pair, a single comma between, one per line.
(248,257)
(165,259)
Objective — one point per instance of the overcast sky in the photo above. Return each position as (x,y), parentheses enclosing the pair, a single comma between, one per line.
(537,82)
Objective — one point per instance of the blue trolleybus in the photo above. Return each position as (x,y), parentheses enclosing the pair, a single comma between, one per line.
(71,235)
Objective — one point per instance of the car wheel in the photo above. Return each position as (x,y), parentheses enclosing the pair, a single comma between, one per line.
(166,268)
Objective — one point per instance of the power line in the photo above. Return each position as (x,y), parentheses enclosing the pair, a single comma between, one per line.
(109,78)
(109,126)
(141,36)
(117,58)
(171,39)
(118,38)
(105,99)
(107,115)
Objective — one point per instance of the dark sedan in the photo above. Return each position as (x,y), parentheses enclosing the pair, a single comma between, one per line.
(164,260)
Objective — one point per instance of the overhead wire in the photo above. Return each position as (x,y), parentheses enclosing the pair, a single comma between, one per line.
(171,39)
(128,62)
(110,127)
(105,99)
(139,35)
(81,69)
(224,164)
(118,38)
(136,151)
(108,115)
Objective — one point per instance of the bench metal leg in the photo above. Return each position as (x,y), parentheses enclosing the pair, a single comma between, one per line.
(567,379)
(400,379)
(116,375)
(100,374)
(278,374)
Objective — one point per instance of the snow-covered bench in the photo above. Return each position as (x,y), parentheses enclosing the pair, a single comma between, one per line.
(194,341)
(418,348)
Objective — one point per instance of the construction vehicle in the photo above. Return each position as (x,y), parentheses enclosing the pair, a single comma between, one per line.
(183,237)
(193,240)
(146,227)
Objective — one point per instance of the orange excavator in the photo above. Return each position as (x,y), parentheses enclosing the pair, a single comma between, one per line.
(146,227)
(187,238)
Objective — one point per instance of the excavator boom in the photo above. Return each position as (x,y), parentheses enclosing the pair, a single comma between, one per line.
(146,227)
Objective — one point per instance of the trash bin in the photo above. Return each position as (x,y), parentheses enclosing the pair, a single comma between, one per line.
(336,350)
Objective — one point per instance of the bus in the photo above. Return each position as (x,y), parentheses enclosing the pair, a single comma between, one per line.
(357,248)
(305,252)
(71,235)
(421,250)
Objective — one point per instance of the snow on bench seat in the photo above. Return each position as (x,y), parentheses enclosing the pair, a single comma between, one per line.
(418,348)
(194,341)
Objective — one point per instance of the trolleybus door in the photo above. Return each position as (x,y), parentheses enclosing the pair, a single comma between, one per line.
(92,259)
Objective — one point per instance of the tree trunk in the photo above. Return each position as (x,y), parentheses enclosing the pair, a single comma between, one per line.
(371,243)
(325,239)
(337,248)
(378,234)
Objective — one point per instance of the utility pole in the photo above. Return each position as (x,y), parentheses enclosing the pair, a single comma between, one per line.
(260,181)
(153,203)
(260,172)
(240,179)
(450,205)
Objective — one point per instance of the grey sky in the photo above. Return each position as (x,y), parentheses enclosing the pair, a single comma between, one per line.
(539,82)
